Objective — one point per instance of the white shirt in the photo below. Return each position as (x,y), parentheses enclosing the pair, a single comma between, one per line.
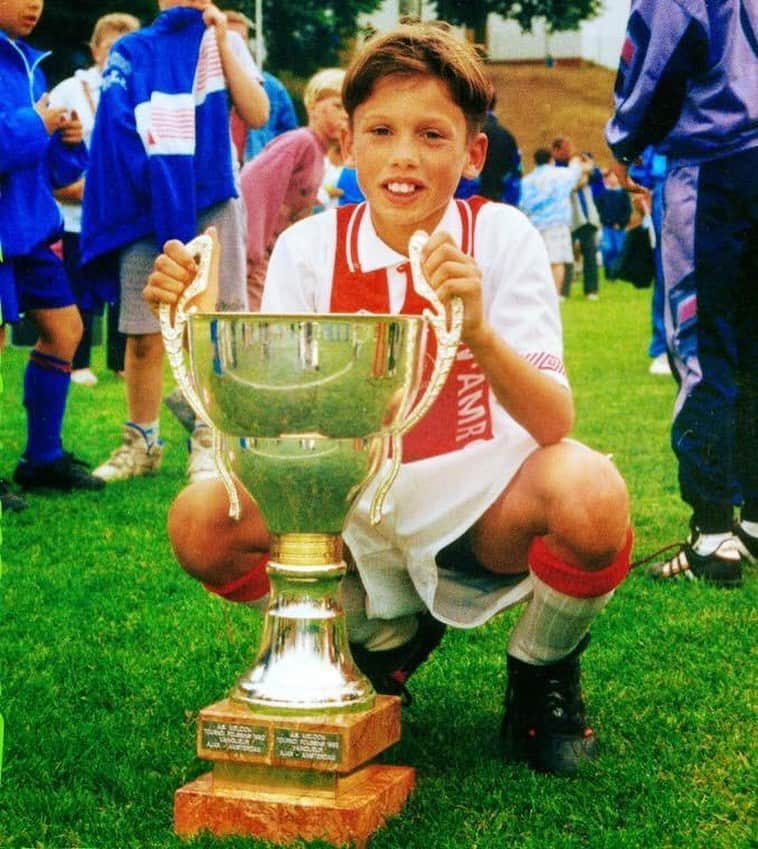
(434,500)
(72,95)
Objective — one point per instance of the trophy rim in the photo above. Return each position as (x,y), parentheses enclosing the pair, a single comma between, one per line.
(308,316)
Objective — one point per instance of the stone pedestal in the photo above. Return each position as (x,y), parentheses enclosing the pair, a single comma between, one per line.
(286,777)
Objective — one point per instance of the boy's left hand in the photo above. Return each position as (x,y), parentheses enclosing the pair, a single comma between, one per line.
(451,272)
(71,130)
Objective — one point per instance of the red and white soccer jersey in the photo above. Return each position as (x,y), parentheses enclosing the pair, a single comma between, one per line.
(463,454)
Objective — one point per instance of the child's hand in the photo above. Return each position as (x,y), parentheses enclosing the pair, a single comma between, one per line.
(451,272)
(71,129)
(172,272)
(175,269)
(621,170)
(53,117)
(214,17)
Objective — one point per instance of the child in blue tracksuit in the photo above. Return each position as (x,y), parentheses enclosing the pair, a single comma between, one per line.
(687,84)
(40,149)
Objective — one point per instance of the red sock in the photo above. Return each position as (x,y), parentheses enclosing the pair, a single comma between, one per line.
(252,586)
(572,581)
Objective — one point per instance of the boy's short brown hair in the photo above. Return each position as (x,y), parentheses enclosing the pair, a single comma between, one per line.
(115,23)
(422,48)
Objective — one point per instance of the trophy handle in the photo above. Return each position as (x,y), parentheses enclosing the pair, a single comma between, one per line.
(447,348)
(173,340)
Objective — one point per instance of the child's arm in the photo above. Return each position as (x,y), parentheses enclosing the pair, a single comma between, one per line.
(247,94)
(541,405)
(25,134)
(67,153)
(73,193)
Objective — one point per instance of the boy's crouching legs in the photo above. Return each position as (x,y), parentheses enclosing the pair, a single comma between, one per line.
(227,555)
(571,505)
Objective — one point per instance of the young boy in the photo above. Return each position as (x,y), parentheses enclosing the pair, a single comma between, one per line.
(40,149)
(281,184)
(162,167)
(492,504)
(81,93)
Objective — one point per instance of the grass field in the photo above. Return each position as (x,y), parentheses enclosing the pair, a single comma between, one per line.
(108,652)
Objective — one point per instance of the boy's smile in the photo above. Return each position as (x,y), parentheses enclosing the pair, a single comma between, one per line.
(410,145)
(19,17)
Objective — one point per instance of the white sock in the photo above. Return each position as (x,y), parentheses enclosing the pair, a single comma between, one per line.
(150,431)
(372,634)
(706,544)
(750,528)
(552,625)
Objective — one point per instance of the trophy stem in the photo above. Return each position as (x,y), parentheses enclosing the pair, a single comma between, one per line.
(304,665)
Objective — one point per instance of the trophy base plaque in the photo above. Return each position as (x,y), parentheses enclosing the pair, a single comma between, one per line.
(281,778)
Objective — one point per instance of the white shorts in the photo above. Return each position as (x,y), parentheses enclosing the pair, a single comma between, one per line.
(429,506)
(558,243)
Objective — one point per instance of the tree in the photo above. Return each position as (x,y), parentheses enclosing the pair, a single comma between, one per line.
(65,28)
(559,14)
(303,36)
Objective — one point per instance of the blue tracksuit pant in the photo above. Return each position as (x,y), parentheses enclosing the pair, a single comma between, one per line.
(710,261)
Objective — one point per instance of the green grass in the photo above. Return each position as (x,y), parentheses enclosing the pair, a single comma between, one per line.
(108,652)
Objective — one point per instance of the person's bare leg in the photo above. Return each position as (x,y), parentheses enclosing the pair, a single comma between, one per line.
(567,493)
(208,543)
(60,331)
(559,271)
(143,374)
(566,516)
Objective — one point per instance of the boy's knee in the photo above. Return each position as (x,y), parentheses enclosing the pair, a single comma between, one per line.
(209,544)
(146,347)
(595,512)
(195,532)
(60,331)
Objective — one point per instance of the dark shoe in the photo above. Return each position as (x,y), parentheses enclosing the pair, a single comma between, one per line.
(389,670)
(747,545)
(722,567)
(65,473)
(11,502)
(544,722)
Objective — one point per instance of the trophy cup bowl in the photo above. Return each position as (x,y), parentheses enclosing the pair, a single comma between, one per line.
(305,411)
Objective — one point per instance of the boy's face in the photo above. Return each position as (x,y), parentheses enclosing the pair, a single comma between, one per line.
(101,50)
(327,118)
(410,146)
(19,17)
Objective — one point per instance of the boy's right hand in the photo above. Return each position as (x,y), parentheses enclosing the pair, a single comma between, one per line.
(53,117)
(172,272)
(175,269)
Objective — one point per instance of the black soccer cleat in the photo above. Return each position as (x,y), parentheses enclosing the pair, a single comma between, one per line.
(11,502)
(65,473)
(721,568)
(544,723)
(389,670)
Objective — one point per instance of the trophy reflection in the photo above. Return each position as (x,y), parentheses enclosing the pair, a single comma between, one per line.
(306,410)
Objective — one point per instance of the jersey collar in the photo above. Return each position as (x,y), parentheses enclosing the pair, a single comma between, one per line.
(373,253)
